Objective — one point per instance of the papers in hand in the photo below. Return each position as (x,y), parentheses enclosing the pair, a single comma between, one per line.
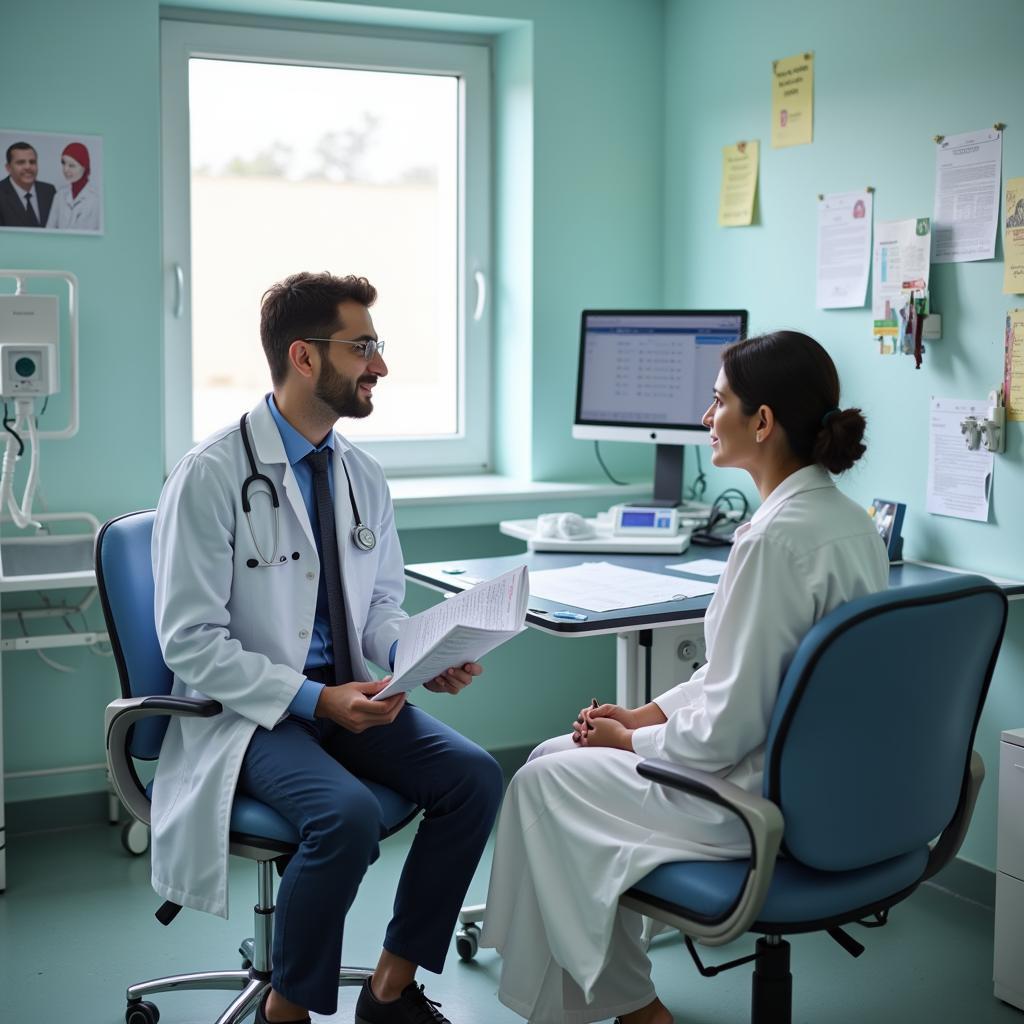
(463,628)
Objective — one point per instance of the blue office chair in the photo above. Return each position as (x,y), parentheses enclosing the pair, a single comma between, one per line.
(869,785)
(135,727)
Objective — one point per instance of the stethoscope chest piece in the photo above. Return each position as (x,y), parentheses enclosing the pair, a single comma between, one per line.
(363,537)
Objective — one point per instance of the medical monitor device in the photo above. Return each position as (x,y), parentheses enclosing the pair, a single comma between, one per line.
(649,376)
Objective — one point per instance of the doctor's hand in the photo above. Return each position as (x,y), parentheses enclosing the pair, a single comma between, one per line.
(349,705)
(455,679)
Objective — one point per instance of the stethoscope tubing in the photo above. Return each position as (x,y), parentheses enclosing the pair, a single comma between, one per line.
(362,536)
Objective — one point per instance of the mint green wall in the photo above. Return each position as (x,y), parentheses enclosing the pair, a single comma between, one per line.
(887,78)
(568,143)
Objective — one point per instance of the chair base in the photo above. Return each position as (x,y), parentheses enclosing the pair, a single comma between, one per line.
(250,984)
(771,993)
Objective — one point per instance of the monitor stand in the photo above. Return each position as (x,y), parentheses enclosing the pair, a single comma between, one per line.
(668,475)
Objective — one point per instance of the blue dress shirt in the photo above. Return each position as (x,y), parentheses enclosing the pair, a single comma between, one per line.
(296,448)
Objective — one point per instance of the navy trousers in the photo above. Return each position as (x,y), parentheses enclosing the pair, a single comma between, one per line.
(309,772)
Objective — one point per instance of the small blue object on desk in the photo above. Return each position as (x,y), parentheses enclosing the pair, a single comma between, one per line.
(570,616)
(453,572)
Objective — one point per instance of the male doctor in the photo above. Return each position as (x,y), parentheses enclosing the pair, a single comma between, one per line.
(276,612)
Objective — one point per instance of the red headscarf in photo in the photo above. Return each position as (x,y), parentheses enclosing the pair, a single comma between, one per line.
(78,152)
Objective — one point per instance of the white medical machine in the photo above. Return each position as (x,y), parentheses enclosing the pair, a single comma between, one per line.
(649,376)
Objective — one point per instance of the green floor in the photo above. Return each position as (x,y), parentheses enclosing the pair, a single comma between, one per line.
(76,926)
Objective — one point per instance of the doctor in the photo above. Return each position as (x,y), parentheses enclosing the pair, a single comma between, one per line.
(579,826)
(279,578)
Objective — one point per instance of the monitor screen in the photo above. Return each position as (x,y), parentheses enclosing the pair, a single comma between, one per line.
(651,368)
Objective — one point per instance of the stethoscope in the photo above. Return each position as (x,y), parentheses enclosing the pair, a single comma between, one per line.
(362,536)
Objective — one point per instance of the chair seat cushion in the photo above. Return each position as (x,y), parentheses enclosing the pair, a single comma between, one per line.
(257,820)
(709,889)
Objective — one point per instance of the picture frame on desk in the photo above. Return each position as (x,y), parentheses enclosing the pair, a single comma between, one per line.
(888,519)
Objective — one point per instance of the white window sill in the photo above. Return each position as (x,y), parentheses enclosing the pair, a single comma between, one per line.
(486,499)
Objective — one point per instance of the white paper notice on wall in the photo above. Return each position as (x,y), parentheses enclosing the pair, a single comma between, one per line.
(844,249)
(967,171)
(959,480)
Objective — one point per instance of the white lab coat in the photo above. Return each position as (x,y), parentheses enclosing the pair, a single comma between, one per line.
(78,213)
(240,635)
(579,827)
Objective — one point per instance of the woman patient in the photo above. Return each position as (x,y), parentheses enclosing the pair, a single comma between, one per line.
(579,826)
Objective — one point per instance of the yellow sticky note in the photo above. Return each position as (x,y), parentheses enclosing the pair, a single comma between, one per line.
(793,100)
(1013,381)
(1013,238)
(739,185)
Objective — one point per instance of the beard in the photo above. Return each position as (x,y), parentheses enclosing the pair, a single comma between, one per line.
(341,394)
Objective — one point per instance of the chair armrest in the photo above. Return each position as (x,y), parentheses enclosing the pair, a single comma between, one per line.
(118,720)
(949,842)
(764,824)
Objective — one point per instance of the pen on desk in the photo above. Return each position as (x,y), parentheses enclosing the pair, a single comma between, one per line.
(569,616)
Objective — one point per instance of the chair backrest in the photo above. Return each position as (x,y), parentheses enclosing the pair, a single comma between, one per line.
(872,731)
(124,575)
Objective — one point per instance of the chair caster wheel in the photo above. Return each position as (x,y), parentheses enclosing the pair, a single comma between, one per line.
(467,941)
(135,838)
(141,1012)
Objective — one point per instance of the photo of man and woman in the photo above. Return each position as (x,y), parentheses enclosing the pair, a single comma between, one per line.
(53,182)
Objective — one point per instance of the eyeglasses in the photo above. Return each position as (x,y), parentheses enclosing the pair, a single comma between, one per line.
(367,349)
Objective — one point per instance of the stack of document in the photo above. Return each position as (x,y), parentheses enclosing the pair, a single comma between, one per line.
(463,628)
(603,587)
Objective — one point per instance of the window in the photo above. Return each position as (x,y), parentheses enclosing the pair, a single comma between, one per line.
(294,150)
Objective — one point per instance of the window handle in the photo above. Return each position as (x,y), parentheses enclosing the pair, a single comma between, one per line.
(179,291)
(481,294)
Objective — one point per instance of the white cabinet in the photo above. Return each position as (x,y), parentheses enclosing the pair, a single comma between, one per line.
(1008,967)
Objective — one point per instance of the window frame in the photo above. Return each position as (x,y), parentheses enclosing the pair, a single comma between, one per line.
(469,450)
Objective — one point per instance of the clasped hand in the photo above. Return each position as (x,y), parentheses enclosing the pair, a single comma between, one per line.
(606,725)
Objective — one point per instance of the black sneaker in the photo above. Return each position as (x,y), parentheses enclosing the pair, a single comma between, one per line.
(411,1007)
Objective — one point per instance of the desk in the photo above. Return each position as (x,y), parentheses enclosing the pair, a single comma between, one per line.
(657,645)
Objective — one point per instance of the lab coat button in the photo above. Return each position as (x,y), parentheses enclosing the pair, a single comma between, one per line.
(310,575)
(303,633)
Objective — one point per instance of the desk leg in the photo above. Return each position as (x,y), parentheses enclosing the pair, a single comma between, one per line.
(663,656)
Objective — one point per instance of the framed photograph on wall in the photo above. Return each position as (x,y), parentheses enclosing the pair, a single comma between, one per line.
(53,183)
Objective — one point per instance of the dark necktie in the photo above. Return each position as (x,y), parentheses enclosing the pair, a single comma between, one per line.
(330,564)
(33,219)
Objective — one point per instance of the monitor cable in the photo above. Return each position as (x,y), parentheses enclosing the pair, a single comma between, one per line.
(607,471)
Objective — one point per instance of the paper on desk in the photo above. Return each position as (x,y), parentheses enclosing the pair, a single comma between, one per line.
(699,567)
(959,480)
(603,587)
(463,628)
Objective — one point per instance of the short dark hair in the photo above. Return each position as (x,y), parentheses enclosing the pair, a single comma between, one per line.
(19,145)
(795,377)
(305,305)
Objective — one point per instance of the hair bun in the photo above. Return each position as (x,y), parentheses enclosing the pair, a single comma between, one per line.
(840,441)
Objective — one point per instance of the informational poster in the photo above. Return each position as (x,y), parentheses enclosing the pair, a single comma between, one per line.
(959,480)
(967,172)
(1013,237)
(739,184)
(901,265)
(793,100)
(1013,380)
(844,249)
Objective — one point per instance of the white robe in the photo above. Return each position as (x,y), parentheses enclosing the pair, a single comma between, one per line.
(580,826)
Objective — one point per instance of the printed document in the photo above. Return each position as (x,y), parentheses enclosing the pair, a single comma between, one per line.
(902,261)
(967,171)
(959,480)
(844,249)
(739,185)
(603,587)
(700,567)
(793,100)
(463,628)
(1013,239)
(1013,383)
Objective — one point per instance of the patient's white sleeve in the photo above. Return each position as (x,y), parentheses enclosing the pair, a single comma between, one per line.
(760,612)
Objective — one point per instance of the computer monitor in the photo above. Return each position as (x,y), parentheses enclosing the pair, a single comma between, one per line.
(648,375)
